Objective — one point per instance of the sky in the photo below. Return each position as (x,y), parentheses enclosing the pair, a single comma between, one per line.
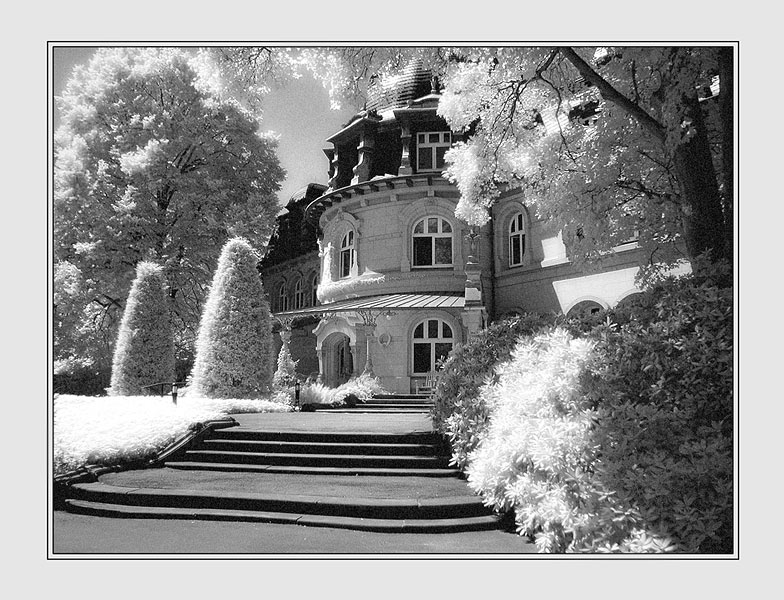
(299,113)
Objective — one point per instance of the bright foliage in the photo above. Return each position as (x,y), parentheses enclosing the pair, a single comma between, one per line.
(607,143)
(286,374)
(459,411)
(149,165)
(144,352)
(615,437)
(234,347)
(362,387)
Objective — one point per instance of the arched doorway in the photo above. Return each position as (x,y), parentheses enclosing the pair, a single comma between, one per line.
(338,359)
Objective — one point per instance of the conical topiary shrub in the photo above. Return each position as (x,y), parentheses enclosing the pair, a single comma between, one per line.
(144,353)
(233,348)
(286,374)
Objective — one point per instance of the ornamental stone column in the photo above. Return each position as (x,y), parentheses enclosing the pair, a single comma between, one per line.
(354,359)
(321,355)
(474,314)
(369,334)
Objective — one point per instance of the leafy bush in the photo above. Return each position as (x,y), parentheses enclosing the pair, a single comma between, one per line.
(78,376)
(144,352)
(233,349)
(459,411)
(536,454)
(665,418)
(626,447)
(362,387)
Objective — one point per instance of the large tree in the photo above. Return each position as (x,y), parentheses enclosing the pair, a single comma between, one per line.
(607,143)
(151,163)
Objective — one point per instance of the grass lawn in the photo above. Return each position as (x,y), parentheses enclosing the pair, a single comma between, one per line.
(109,430)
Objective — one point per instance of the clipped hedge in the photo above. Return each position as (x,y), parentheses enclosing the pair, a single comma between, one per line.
(234,346)
(144,352)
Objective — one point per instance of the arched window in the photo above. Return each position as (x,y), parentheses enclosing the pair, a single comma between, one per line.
(283,299)
(347,256)
(314,289)
(516,240)
(432,340)
(299,295)
(584,308)
(432,243)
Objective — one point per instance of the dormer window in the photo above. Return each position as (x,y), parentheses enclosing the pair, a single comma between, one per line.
(431,148)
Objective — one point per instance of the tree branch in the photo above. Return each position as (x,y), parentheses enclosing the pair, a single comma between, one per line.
(609,93)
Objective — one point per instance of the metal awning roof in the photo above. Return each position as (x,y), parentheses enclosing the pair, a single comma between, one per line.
(386,302)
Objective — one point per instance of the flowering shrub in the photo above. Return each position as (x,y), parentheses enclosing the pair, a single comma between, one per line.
(619,440)
(144,352)
(537,453)
(362,387)
(459,411)
(116,429)
(233,349)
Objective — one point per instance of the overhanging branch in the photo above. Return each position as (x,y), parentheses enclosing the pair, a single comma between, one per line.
(610,94)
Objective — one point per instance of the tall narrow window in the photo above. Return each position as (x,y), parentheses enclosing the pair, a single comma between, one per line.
(283,299)
(346,254)
(299,295)
(431,148)
(516,240)
(432,243)
(433,340)
(314,290)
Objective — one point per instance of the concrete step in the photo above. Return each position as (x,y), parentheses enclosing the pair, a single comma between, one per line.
(311,470)
(221,499)
(311,447)
(380,410)
(444,525)
(340,437)
(398,401)
(316,460)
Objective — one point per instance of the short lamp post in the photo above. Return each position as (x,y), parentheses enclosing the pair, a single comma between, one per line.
(174,393)
(297,388)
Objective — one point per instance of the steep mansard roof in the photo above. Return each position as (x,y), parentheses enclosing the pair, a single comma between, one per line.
(397,91)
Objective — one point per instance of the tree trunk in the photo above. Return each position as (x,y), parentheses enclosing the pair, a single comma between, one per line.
(704,220)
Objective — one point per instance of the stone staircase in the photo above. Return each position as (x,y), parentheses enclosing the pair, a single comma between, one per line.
(392,403)
(383,481)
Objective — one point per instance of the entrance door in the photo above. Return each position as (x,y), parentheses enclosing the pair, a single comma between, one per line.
(338,361)
(344,360)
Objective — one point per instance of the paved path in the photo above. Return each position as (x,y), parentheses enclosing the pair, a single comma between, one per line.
(82,534)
